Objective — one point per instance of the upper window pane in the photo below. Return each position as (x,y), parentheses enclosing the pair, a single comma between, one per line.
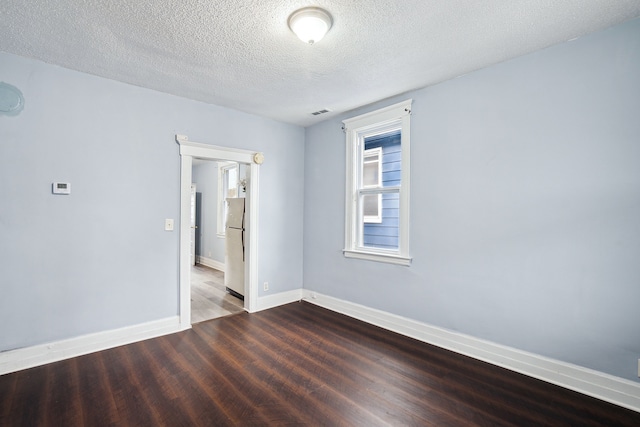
(381,168)
(227,188)
(390,150)
(231,177)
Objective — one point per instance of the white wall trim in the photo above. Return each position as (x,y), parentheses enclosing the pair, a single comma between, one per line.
(28,357)
(593,383)
(218,265)
(281,298)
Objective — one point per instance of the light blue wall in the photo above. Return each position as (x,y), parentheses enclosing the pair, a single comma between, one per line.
(100,259)
(525,206)
(205,176)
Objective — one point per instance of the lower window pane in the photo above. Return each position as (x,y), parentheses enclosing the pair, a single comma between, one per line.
(383,234)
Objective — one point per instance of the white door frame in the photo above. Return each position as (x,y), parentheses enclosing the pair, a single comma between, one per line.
(189,150)
(194,226)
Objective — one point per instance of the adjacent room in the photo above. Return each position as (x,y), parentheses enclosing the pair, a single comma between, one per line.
(334,213)
(217,274)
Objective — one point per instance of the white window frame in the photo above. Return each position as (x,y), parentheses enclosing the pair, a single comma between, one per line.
(374,219)
(358,128)
(223,169)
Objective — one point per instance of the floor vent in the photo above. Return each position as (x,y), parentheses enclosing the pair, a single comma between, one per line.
(317,113)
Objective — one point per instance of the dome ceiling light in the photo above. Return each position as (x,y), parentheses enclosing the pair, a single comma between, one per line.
(310,24)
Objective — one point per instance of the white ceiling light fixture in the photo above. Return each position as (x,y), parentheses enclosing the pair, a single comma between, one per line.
(310,24)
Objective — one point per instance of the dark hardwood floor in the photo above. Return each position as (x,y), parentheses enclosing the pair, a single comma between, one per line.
(297,364)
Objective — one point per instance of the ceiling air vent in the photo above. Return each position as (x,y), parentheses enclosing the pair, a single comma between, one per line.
(317,113)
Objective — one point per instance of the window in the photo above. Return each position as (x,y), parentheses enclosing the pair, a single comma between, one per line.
(227,188)
(377,185)
(372,178)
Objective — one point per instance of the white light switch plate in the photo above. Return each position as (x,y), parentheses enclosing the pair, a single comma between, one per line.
(168,224)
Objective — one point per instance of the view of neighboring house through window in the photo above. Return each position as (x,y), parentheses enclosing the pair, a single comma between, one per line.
(381,222)
(377,205)
(227,188)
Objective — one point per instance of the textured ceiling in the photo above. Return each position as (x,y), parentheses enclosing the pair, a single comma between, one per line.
(241,54)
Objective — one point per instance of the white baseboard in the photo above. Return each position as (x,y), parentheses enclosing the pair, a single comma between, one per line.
(275,300)
(210,263)
(593,383)
(28,357)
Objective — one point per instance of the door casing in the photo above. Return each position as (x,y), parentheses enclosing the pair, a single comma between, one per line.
(188,151)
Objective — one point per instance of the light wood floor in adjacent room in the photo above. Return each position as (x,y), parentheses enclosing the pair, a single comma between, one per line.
(294,365)
(209,297)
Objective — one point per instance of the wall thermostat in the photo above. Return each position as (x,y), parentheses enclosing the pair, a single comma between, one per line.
(61,188)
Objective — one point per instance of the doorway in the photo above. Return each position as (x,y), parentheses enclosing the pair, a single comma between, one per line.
(188,152)
(217,245)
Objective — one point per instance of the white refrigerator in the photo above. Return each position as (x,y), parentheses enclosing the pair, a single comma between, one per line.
(234,247)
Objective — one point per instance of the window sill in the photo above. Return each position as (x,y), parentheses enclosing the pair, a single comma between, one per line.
(378,257)
(220,235)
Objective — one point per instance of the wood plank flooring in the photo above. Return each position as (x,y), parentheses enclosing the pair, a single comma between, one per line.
(297,364)
(209,298)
